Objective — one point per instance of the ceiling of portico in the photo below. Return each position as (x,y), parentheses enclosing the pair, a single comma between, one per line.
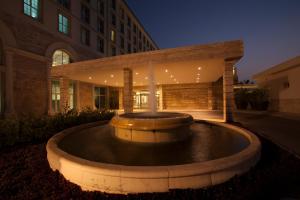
(195,64)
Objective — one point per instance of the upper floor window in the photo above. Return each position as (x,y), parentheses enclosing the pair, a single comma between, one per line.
(85,36)
(113,4)
(122,42)
(85,14)
(1,53)
(128,21)
(60,57)
(63,24)
(100,44)
(113,35)
(100,26)
(32,8)
(100,7)
(122,27)
(113,19)
(113,51)
(134,28)
(122,13)
(65,3)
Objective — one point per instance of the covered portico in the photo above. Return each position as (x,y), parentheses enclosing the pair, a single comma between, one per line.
(198,77)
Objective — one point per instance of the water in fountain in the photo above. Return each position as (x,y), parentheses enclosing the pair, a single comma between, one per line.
(152,90)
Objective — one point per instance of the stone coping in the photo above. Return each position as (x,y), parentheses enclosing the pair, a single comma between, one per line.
(139,121)
(112,178)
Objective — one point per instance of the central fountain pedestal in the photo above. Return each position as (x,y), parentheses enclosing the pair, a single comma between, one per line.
(160,127)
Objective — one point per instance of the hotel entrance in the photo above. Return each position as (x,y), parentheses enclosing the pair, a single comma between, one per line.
(141,99)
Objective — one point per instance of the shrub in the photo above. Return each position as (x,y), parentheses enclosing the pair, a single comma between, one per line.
(241,98)
(258,99)
(35,130)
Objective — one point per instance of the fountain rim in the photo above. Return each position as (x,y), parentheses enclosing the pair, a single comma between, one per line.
(216,169)
(174,120)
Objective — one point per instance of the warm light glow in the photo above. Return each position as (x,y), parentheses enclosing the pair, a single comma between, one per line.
(146,78)
(111,76)
(171,76)
(199,68)
(136,73)
(166,70)
(105,81)
(90,78)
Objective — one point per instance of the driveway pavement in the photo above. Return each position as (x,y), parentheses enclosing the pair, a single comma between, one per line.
(282,129)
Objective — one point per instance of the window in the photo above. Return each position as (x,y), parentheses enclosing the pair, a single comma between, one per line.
(55,95)
(128,21)
(134,28)
(65,3)
(134,40)
(128,48)
(122,13)
(128,34)
(1,93)
(100,44)
(100,7)
(113,35)
(1,53)
(113,19)
(85,36)
(113,51)
(140,34)
(100,97)
(122,27)
(85,14)
(72,102)
(63,24)
(140,46)
(60,57)
(134,50)
(32,8)
(122,42)
(113,4)
(100,26)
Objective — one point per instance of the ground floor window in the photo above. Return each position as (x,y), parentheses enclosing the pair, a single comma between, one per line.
(72,98)
(114,99)
(100,97)
(55,95)
(141,99)
(1,93)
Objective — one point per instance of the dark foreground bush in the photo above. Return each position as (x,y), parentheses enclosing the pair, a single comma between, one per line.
(256,98)
(34,130)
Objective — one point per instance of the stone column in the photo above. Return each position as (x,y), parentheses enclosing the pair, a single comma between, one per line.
(120,98)
(49,87)
(228,91)
(9,84)
(127,91)
(161,98)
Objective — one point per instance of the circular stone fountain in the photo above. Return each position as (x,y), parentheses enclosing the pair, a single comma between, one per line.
(114,158)
(152,127)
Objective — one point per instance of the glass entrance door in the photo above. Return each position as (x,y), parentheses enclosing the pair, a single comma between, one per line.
(141,100)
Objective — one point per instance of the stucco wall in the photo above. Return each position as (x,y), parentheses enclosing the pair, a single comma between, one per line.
(283,98)
(30,86)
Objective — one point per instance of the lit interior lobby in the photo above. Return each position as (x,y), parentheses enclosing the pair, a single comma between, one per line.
(195,79)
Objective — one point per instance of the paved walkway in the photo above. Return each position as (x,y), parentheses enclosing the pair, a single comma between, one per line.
(282,129)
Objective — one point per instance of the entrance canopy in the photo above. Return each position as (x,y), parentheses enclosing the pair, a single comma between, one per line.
(192,64)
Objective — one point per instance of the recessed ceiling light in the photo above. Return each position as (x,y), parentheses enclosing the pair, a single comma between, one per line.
(199,68)
(136,73)
(111,76)
(166,70)
(90,78)
(171,76)
(105,81)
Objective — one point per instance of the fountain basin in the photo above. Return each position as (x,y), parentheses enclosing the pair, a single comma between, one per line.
(72,159)
(157,127)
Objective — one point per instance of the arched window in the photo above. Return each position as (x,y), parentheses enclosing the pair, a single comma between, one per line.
(1,53)
(60,57)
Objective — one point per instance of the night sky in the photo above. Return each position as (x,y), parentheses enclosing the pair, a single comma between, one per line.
(270,29)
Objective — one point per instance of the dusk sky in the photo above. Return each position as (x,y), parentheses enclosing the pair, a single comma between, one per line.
(270,29)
